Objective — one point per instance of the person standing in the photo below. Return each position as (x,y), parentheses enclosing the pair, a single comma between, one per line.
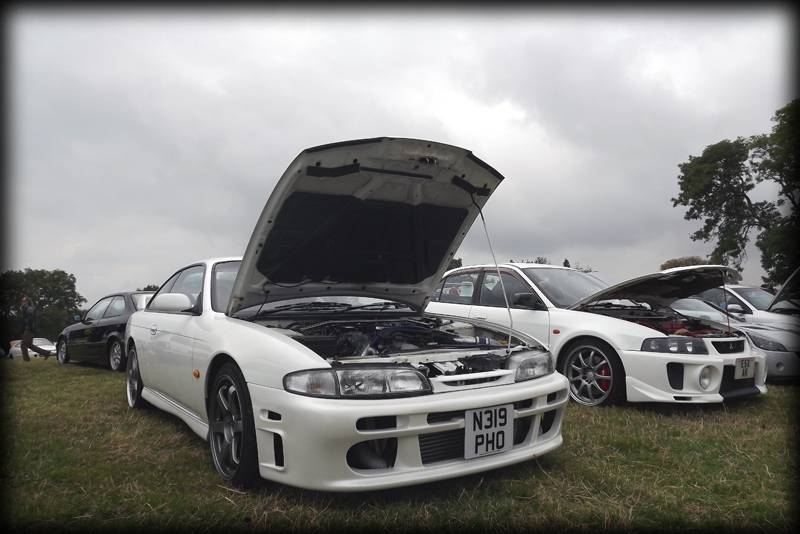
(28,319)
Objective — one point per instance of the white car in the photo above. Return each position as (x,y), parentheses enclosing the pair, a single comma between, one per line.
(750,304)
(15,351)
(613,343)
(311,361)
(781,347)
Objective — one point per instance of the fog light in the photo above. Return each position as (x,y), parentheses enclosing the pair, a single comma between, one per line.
(705,376)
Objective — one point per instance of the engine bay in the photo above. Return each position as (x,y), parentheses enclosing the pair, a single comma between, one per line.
(435,346)
(665,320)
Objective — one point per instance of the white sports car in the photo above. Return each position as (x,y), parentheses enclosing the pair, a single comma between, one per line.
(311,361)
(614,343)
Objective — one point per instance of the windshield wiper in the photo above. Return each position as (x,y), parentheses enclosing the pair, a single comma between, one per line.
(305,306)
(378,306)
(614,305)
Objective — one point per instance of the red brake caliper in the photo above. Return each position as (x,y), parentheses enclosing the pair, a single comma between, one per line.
(604,383)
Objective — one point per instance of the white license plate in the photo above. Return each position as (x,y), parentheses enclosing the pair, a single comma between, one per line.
(488,430)
(745,368)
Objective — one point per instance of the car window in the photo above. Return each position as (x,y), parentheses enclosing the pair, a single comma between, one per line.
(564,287)
(458,288)
(190,282)
(166,287)
(39,341)
(96,311)
(222,284)
(116,308)
(492,290)
(717,297)
(140,300)
(756,296)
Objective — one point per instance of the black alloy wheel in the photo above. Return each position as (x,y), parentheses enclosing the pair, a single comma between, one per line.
(231,429)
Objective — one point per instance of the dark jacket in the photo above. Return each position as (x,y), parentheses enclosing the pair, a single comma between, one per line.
(27,317)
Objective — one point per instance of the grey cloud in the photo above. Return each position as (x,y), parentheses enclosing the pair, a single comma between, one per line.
(150,140)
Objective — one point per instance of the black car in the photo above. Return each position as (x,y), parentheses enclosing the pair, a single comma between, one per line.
(100,334)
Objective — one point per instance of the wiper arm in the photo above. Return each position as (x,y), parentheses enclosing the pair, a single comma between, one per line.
(305,306)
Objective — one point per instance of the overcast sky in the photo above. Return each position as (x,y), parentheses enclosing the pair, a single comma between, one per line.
(141,141)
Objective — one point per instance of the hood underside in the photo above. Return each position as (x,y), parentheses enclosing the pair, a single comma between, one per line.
(665,287)
(373,217)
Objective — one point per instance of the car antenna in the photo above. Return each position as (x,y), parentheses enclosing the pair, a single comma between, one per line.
(497,268)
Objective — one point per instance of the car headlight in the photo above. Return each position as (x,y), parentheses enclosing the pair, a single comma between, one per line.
(358,382)
(675,345)
(531,366)
(766,344)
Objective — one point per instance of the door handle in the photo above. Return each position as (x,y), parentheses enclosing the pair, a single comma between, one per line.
(480,318)
(154,330)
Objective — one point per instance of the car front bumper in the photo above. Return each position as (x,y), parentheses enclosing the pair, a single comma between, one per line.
(648,377)
(304,441)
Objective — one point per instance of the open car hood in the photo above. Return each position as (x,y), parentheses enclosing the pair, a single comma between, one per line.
(787,301)
(375,217)
(665,287)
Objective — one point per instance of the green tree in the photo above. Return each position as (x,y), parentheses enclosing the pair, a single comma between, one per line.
(454,264)
(566,262)
(683,261)
(154,287)
(53,292)
(716,187)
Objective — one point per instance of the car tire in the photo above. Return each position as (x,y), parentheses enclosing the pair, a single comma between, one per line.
(133,380)
(62,351)
(115,358)
(595,373)
(231,429)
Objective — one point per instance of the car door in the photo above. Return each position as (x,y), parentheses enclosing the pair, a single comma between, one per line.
(172,336)
(81,334)
(455,293)
(105,326)
(491,306)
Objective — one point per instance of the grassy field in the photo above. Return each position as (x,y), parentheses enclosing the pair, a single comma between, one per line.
(75,457)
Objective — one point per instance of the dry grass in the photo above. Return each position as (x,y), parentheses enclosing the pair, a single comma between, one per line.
(74,457)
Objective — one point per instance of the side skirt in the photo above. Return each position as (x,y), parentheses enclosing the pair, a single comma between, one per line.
(162,402)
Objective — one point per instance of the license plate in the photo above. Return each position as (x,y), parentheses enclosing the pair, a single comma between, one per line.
(488,430)
(745,368)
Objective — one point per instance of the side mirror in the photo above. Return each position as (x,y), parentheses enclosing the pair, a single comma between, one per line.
(527,300)
(170,302)
(735,308)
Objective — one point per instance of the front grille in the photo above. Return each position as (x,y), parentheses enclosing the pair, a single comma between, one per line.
(440,446)
(731,388)
(449,445)
(728,347)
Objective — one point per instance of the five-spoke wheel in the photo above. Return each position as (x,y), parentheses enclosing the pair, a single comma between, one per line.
(594,372)
(231,432)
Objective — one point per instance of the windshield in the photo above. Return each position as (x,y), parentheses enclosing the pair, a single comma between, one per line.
(693,307)
(39,341)
(140,300)
(757,297)
(564,287)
